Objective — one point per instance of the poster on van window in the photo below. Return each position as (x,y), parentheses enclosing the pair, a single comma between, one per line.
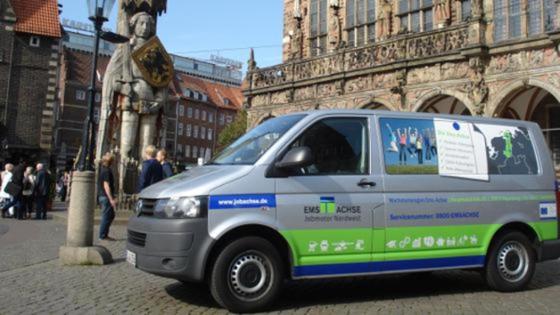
(461,150)
(409,146)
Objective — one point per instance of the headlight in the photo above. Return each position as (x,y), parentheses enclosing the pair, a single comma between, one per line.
(180,208)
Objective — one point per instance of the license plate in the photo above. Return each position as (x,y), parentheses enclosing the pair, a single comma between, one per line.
(131,258)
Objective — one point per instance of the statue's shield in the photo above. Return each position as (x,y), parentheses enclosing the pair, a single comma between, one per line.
(154,62)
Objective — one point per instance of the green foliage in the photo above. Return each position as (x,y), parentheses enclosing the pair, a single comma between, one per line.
(233,131)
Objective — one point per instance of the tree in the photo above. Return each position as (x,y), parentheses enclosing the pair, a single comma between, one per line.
(233,131)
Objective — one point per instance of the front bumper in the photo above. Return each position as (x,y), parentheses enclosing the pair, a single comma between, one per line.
(174,248)
(549,250)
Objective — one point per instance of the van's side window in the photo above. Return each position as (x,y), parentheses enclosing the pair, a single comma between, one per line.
(340,146)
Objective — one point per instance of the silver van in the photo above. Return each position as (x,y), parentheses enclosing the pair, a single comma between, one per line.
(353,192)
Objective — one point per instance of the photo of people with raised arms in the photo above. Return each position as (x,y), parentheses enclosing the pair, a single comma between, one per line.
(410,146)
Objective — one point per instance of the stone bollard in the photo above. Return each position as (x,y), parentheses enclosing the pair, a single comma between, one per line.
(79,249)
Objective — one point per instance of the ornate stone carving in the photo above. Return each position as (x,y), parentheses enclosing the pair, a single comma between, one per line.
(304,93)
(357,84)
(450,71)
(279,98)
(417,47)
(259,100)
(423,75)
(476,89)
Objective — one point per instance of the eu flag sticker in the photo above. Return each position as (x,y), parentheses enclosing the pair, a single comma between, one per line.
(547,210)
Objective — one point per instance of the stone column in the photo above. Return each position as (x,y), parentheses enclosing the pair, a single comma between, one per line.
(79,249)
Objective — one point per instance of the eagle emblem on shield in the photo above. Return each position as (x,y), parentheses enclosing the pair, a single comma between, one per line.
(154,63)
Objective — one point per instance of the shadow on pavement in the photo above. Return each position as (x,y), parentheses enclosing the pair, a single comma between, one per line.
(298,294)
(192,293)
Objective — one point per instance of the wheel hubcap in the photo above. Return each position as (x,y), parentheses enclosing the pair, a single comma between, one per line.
(513,261)
(250,275)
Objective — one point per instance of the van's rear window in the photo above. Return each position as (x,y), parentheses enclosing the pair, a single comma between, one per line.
(414,146)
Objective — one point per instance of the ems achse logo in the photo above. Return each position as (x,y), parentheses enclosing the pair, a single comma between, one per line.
(329,211)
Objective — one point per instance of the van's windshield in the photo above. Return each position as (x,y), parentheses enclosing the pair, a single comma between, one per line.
(251,146)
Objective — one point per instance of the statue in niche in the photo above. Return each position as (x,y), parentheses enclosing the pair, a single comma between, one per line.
(384,19)
(443,12)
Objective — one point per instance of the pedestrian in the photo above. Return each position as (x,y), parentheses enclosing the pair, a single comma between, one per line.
(152,172)
(28,188)
(165,165)
(15,188)
(106,196)
(65,182)
(5,197)
(42,189)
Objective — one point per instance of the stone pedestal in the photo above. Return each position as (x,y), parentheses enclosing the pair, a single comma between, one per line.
(79,249)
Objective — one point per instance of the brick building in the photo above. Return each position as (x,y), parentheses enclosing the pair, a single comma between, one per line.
(30,33)
(204,109)
(497,58)
(71,112)
(203,95)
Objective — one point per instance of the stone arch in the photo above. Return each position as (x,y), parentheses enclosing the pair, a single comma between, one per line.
(376,103)
(423,101)
(536,101)
(499,103)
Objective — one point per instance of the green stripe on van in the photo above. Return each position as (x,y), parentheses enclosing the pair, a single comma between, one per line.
(331,246)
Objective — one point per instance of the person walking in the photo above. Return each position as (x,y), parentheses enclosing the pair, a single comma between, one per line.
(165,165)
(42,189)
(28,188)
(5,197)
(106,196)
(152,172)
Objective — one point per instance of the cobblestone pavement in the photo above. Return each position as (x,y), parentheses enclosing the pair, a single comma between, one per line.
(41,286)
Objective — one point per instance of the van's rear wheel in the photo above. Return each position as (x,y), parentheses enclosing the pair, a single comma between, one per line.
(511,263)
(247,275)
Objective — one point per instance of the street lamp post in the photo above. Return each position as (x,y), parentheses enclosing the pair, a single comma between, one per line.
(79,249)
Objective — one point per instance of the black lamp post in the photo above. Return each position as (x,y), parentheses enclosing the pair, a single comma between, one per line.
(99,11)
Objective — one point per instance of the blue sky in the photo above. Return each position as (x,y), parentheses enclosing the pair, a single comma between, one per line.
(201,28)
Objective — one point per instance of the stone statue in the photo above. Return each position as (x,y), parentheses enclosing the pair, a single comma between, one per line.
(335,30)
(132,103)
(443,12)
(296,42)
(384,19)
(476,8)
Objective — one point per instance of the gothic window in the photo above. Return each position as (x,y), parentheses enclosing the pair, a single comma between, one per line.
(549,14)
(360,22)
(416,15)
(514,18)
(465,10)
(318,23)
(541,16)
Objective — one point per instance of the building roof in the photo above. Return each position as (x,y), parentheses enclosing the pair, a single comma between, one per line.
(219,94)
(78,65)
(37,17)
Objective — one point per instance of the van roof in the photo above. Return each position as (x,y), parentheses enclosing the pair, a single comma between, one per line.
(321,112)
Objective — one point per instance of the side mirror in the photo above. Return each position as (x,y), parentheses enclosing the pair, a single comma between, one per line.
(295,158)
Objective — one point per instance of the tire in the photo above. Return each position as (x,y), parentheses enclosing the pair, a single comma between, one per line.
(247,275)
(510,263)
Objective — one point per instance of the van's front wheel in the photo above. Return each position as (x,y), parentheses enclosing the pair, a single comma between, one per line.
(247,275)
(511,263)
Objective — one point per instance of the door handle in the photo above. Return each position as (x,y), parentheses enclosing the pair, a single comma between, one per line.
(366,183)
